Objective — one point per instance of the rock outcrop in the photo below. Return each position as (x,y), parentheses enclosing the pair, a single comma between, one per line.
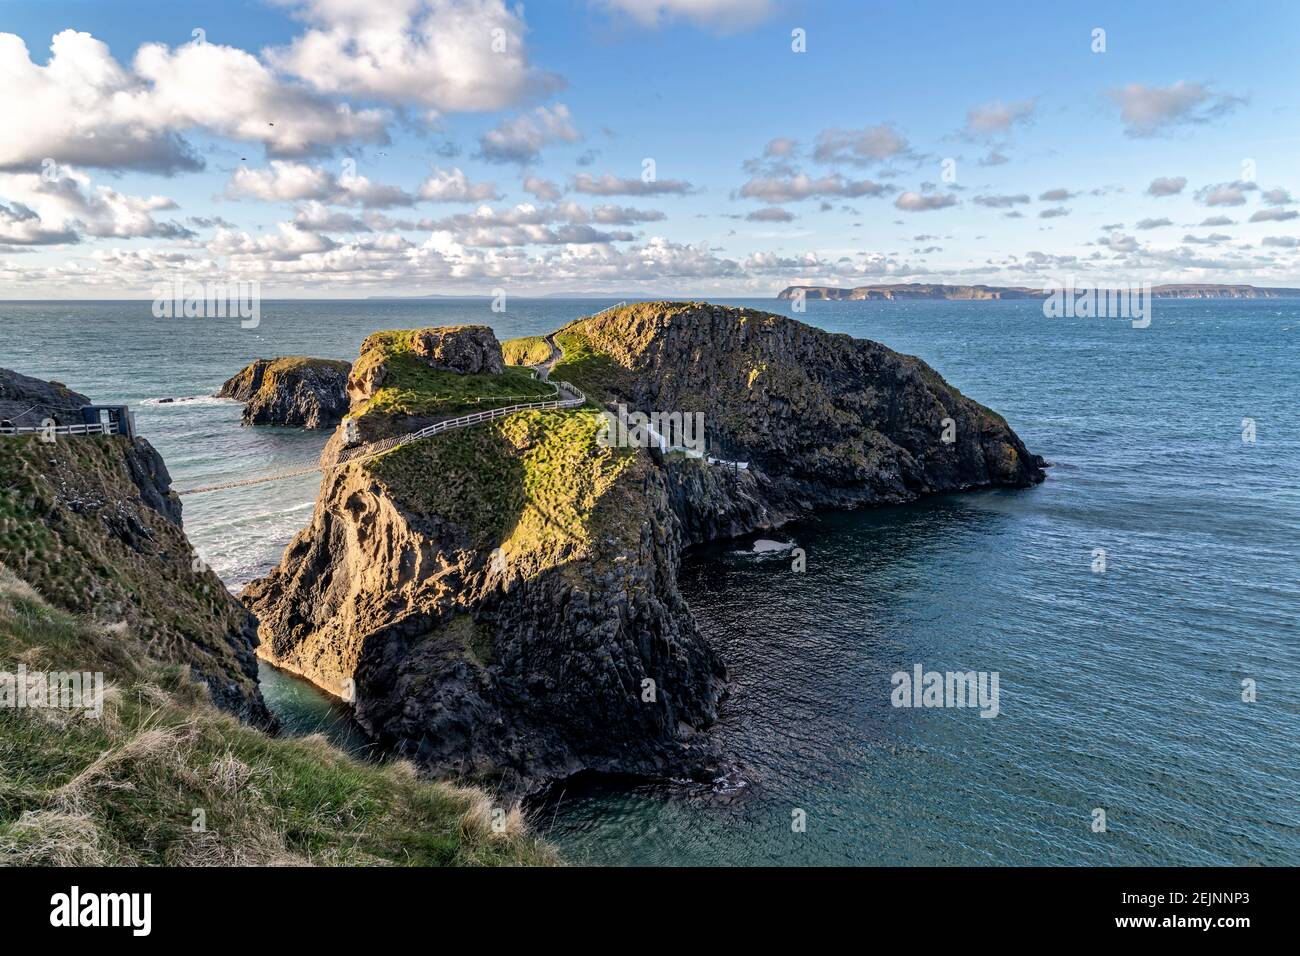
(92,523)
(26,402)
(294,392)
(468,349)
(502,601)
(825,420)
(919,290)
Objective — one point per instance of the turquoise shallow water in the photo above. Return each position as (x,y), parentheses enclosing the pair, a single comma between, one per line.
(1119,690)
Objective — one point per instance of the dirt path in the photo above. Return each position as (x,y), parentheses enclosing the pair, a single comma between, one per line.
(544,369)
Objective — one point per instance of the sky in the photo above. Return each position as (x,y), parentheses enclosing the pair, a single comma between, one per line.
(340,148)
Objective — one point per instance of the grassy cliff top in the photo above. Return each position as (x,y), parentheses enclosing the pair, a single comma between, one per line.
(122,789)
(412,388)
(287,363)
(527,350)
(531,483)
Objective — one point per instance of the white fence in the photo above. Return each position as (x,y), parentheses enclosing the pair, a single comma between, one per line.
(94,428)
(379,447)
(362,452)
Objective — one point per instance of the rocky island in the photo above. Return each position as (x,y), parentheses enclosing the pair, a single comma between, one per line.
(501,601)
(293,391)
(919,290)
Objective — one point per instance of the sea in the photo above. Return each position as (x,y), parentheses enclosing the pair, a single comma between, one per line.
(1139,611)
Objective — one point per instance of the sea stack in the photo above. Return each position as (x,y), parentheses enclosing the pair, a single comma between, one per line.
(293,391)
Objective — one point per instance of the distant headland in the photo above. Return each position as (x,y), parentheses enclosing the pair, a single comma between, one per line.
(919,290)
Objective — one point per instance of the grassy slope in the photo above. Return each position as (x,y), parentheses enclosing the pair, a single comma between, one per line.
(584,365)
(411,387)
(528,350)
(56,501)
(528,483)
(122,789)
(288,363)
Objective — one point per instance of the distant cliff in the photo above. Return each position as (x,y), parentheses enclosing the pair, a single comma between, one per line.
(501,601)
(916,290)
(293,391)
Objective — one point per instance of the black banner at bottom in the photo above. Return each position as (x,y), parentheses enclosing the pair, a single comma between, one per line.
(336,907)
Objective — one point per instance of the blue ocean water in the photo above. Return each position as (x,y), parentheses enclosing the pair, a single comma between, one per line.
(1120,690)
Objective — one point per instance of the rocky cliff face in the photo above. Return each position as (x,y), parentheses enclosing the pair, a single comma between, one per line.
(502,600)
(92,523)
(294,392)
(501,603)
(824,420)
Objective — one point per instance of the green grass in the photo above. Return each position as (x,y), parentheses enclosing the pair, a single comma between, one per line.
(528,350)
(72,525)
(122,789)
(528,483)
(584,365)
(288,363)
(411,388)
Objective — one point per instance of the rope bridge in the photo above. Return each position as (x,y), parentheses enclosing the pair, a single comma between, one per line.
(569,396)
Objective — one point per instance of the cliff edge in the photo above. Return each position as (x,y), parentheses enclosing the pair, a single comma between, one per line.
(91,522)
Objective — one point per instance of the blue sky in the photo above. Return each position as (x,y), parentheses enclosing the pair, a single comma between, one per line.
(415,150)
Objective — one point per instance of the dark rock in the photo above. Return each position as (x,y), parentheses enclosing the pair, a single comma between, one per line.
(26,401)
(468,349)
(293,392)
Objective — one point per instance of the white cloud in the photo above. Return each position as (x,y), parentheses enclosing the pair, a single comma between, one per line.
(770,214)
(1225,194)
(284,181)
(919,202)
(84,109)
(1274,215)
(1001,202)
(520,139)
(779,189)
(542,189)
(624,215)
(445,55)
(64,208)
(452,185)
(1166,185)
(529,224)
(287,243)
(861,147)
(610,185)
(281,181)
(714,14)
(1151,110)
(998,117)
